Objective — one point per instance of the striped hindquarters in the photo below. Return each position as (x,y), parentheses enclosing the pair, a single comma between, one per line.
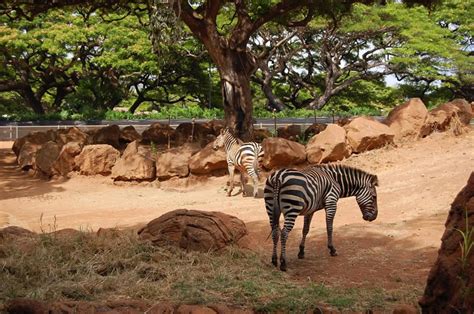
(247,157)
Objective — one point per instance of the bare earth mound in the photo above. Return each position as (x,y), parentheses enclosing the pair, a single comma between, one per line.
(418,182)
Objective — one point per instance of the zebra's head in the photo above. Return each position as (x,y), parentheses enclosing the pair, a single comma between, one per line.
(220,140)
(367,199)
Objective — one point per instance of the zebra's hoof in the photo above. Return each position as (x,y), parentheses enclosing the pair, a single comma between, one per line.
(301,255)
(333,253)
(274,262)
(283,267)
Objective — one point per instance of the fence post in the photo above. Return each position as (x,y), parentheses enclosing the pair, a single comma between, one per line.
(16,137)
(274,122)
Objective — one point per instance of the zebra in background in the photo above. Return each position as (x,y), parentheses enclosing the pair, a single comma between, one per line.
(294,192)
(243,156)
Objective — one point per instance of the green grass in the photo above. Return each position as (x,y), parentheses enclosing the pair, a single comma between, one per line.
(87,267)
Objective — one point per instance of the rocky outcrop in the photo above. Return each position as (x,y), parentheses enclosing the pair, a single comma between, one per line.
(97,159)
(280,152)
(194,230)
(208,160)
(364,133)
(174,162)
(129,134)
(193,133)
(158,134)
(34,138)
(135,164)
(260,134)
(65,162)
(73,134)
(314,129)
(447,116)
(290,132)
(329,145)
(107,135)
(27,155)
(450,284)
(407,120)
(46,156)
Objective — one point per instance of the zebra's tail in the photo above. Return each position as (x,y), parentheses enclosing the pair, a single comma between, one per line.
(276,203)
(258,161)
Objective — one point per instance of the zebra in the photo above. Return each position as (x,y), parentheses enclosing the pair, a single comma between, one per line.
(303,192)
(243,156)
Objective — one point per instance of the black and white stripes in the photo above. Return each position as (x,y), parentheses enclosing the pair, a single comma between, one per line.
(302,192)
(245,157)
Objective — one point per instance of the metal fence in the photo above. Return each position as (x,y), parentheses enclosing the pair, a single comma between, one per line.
(13,131)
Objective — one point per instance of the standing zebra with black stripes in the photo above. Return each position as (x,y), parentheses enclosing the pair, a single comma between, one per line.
(245,157)
(294,192)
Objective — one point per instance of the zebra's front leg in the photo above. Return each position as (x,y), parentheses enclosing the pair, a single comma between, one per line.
(231,179)
(307,223)
(242,183)
(330,213)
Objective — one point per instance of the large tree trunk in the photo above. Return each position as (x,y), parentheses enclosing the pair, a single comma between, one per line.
(32,101)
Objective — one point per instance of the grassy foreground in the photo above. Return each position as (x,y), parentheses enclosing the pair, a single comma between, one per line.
(84,266)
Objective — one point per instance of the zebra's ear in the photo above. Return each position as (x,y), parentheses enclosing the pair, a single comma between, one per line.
(375,180)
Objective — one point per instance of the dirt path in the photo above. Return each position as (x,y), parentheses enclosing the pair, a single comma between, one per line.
(418,183)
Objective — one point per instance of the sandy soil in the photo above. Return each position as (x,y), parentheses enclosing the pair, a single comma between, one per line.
(418,182)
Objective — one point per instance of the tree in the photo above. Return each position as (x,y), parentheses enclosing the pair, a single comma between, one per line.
(224,28)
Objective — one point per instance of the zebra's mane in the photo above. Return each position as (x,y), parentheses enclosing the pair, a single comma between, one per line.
(345,169)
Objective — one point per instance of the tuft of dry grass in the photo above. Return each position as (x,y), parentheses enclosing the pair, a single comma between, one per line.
(84,266)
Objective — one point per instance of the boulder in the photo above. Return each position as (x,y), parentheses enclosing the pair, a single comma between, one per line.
(35,138)
(329,145)
(158,133)
(364,133)
(65,162)
(136,164)
(216,126)
(290,132)
(314,129)
(208,160)
(15,232)
(107,135)
(407,120)
(129,134)
(446,116)
(260,134)
(97,159)
(71,135)
(174,162)
(27,155)
(46,157)
(450,284)
(193,133)
(194,230)
(280,152)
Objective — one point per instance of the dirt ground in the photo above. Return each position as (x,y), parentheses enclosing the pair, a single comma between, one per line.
(418,182)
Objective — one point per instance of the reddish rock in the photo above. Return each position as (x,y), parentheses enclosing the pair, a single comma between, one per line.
(46,156)
(329,145)
(158,134)
(96,159)
(364,133)
(107,135)
(290,132)
(27,155)
(450,284)
(194,309)
(208,160)
(193,133)
(15,232)
(260,134)
(446,116)
(129,134)
(280,152)
(175,162)
(136,164)
(216,126)
(194,230)
(34,138)
(73,134)
(314,129)
(407,120)
(65,162)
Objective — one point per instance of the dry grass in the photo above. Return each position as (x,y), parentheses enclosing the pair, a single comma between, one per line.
(87,267)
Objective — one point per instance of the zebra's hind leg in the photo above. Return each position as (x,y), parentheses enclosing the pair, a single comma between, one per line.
(242,183)
(231,179)
(255,185)
(307,223)
(275,238)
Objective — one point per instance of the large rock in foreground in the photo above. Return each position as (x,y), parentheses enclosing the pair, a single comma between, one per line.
(364,133)
(194,230)
(407,120)
(450,285)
